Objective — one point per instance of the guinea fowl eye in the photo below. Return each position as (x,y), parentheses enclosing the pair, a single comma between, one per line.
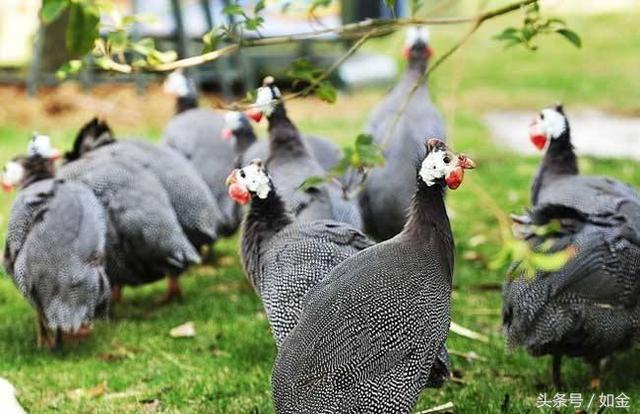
(446,159)
(242,174)
(542,116)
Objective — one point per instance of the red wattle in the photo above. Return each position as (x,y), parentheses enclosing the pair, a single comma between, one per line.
(406,51)
(538,140)
(455,177)
(7,187)
(227,133)
(239,193)
(430,51)
(254,114)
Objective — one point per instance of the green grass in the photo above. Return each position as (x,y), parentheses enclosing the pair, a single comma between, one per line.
(226,367)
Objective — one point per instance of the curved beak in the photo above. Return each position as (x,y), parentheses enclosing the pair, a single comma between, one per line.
(465,162)
(55,154)
(231,179)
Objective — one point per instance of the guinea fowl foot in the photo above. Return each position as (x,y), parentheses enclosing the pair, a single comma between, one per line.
(595,375)
(44,335)
(595,384)
(174,292)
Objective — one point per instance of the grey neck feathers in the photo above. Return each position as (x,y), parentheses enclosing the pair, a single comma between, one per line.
(560,159)
(265,218)
(284,137)
(428,214)
(37,169)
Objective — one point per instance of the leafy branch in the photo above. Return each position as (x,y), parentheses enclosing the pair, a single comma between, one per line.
(533,26)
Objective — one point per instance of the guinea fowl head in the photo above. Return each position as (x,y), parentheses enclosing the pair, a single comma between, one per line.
(183,89)
(233,123)
(267,99)
(442,166)
(249,182)
(416,46)
(38,163)
(92,135)
(549,127)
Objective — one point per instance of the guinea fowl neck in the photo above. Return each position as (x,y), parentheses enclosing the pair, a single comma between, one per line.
(560,159)
(266,217)
(427,214)
(245,137)
(417,66)
(184,103)
(37,169)
(284,137)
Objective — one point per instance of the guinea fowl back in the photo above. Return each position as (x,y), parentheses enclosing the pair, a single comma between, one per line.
(399,127)
(55,252)
(145,239)
(197,135)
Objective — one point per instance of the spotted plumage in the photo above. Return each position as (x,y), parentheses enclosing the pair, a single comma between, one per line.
(589,308)
(195,207)
(372,331)
(196,133)
(55,250)
(144,239)
(399,127)
(290,164)
(285,259)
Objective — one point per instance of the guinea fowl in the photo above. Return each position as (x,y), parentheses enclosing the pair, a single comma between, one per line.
(590,307)
(55,247)
(290,164)
(238,128)
(194,205)
(196,133)
(144,239)
(325,152)
(370,332)
(282,258)
(399,127)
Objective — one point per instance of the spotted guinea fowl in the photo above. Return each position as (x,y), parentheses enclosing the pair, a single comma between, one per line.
(195,207)
(399,126)
(55,246)
(239,130)
(196,133)
(282,258)
(144,239)
(589,308)
(370,332)
(290,164)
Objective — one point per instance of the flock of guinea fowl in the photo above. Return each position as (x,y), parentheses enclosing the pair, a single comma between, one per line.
(360,326)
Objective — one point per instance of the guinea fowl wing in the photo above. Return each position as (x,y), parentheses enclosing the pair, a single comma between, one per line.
(363,322)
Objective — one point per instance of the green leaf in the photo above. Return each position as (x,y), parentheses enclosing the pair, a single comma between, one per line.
(82,30)
(550,262)
(390,3)
(69,68)
(211,40)
(52,9)
(253,23)
(312,182)
(571,36)
(259,7)
(156,57)
(233,9)
(143,46)
(118,40)
(364,139)
(317,4)
(415,6)
(326,91)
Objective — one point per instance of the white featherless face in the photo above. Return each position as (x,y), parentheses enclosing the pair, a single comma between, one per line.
(266,99)
(176,84)
(255,179)
(232,120)
(552,123)
(41,145)
(12,175)
(415,34)
(437,165)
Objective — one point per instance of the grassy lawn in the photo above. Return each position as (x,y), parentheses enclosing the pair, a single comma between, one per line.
(132,365)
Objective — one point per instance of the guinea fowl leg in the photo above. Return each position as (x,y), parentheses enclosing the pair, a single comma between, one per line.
(57,343)
(556,371)
(595,375)
(44,335)
(116,293)
(174,292)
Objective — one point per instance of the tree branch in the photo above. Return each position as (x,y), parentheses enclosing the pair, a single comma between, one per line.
(345,31)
